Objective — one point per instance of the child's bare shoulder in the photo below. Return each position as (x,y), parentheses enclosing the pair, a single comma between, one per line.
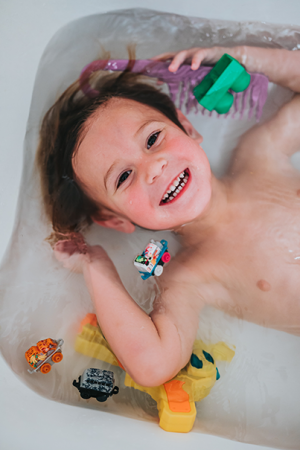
(270,143)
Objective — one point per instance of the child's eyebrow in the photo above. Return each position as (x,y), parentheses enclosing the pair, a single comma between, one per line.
(144,125)
(108,173)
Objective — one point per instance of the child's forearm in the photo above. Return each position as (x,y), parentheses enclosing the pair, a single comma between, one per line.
(149,351)
(280,66)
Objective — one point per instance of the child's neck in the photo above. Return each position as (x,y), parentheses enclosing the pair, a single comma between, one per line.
(196,231)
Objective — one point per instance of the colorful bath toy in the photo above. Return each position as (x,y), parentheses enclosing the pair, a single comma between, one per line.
(151,261)
(96,383)
(212,93)
(42,355)
(176,398)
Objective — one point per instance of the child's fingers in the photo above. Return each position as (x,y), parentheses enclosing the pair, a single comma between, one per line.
(178,59)
(67,253)
(197,55)
(60,254)
(64,247)
(164,56)
(70,246)
(197,58)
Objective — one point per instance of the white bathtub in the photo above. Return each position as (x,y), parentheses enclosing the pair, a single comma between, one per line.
(26,419)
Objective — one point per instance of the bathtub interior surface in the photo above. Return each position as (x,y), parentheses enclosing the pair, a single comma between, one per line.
(256,399)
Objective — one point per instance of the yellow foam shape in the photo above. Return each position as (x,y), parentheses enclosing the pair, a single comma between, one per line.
(178,422)
(176,410)
(168,420)
(198,382)
(220,351)
(197,389)
(90,342)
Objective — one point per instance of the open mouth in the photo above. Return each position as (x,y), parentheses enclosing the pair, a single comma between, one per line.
(176,188)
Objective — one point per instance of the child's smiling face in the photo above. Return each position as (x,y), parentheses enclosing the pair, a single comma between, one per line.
(130,159)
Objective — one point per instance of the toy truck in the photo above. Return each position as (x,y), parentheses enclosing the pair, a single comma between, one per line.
(151,261)
(96,383)
(42,355)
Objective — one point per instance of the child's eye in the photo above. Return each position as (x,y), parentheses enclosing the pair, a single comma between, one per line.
(152,139)
(123,177)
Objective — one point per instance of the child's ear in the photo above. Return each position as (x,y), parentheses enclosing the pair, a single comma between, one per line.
(112,220)
(191,131)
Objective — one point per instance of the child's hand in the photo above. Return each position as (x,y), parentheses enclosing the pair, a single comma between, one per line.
(279,65)
(75,254)
(72,252)
(196,56)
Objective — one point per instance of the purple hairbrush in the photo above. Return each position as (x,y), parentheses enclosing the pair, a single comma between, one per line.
(182,83)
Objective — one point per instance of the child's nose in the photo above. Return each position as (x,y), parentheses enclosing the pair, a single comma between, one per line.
(154,169)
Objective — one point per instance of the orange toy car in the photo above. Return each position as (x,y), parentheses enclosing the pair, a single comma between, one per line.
(42,355)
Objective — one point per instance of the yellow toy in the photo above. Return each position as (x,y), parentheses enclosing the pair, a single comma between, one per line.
(176,398)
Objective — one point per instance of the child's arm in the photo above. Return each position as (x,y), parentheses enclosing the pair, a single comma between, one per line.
(280,66)
(280,135)
(152,349)
(274,141)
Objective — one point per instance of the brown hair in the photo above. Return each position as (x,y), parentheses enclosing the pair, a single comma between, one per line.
(67,205)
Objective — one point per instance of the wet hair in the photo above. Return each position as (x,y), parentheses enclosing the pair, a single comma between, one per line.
(67,205)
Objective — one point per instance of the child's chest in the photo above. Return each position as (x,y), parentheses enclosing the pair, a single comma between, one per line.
(256,256)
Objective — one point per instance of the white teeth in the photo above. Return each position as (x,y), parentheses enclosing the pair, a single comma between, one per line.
(176,187)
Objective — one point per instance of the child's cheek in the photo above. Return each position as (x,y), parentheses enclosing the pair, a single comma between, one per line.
(141,211)
(137,205)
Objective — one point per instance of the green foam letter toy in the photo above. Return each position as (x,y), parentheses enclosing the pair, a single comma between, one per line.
(212,93)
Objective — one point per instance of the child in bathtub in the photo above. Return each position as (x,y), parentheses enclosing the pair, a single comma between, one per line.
(129,158)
